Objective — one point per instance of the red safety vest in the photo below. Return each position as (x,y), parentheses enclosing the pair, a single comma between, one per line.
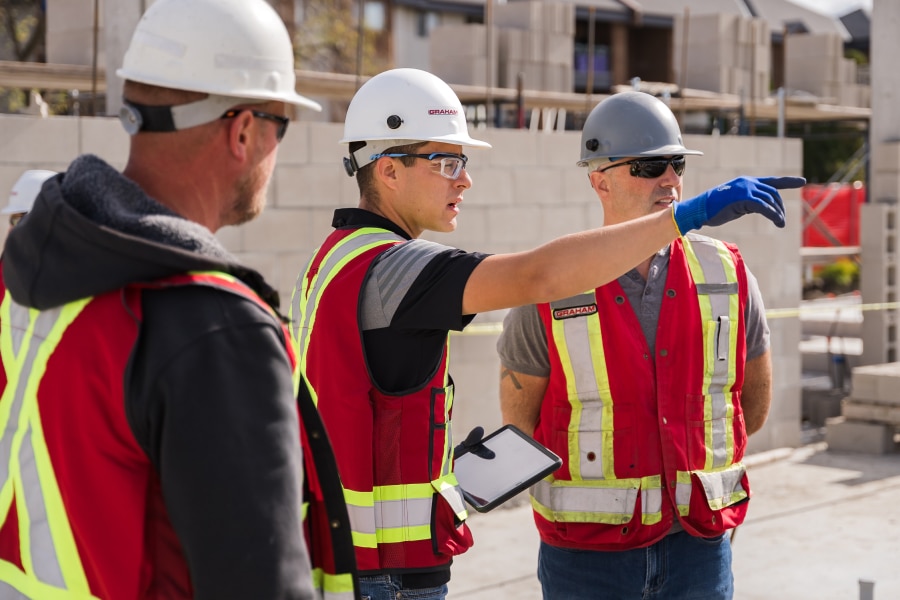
(394,452)
(647,439)
(55,538)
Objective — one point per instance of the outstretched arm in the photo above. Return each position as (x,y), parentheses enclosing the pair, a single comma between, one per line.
(586,260)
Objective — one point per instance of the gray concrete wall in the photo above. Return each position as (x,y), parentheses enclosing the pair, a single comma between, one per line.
(526,191)
(878,277)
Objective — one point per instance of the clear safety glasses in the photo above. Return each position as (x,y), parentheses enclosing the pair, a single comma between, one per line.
(651,168)
(448,165)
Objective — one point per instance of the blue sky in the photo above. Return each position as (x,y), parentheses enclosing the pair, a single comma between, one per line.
(834,7)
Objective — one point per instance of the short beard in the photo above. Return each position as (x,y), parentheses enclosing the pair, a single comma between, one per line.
(248,204)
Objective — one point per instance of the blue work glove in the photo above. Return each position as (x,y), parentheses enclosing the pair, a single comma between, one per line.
(734,199)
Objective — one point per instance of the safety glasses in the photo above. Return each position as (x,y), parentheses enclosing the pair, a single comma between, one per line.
(448,165)
(651,168)
(280,122)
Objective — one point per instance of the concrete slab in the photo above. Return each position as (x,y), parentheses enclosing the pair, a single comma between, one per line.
(819,522)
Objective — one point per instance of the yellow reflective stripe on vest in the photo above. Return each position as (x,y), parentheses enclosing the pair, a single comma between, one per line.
(586,501)
(306,296)
(594,495)
(399,513)
(714,271)
(333,587)
(52,566)
(361,510)
(587,387)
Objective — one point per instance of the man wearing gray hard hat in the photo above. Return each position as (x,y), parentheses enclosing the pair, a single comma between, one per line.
(655,381)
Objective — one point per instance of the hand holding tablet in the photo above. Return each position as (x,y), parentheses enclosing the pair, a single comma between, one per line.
(492,470)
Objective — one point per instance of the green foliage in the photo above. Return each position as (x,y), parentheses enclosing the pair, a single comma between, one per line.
(839,277)
(827,147)
(327,40)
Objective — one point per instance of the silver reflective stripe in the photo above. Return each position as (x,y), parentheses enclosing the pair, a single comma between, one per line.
(43,553)
(408,512)
(19,315)
(7,592)
(683,493)
(333,260)
(362,518)
(585,499)
(718,291)
(651,500)
(584,378)
(338,595)
(26,466)
(453,496)
(391,277)
(297,298)
(720,485)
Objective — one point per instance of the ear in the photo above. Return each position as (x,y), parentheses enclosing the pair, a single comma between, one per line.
(599,182)
(386,172)
(238,133)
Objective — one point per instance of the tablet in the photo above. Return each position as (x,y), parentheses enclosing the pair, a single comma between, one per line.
(502,465)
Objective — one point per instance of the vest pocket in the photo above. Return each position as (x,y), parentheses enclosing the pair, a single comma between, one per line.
(715,431)
(723,488)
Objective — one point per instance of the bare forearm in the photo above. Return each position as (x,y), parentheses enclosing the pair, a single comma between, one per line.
(520,399)
(566,266)
(756,395)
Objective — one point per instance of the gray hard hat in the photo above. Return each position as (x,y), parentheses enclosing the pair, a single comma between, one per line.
(630,124)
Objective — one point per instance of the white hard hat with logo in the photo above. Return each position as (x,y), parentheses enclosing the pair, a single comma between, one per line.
(404,106)
(237,51)
(25,190)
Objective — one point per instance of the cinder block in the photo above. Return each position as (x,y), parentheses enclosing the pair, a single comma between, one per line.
(867,411)
(843,435)
(879,383)
(820,405)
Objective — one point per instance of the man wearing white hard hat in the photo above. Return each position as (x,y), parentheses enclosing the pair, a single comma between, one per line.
(23,193)
(372,312)
(151,443)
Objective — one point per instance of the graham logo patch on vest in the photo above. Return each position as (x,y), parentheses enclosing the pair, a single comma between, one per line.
(571,312)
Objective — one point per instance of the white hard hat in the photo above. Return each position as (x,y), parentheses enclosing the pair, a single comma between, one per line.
(404,106)
(25,190)
(630,124)
(237,51)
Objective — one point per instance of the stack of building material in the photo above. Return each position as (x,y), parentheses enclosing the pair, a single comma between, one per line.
(723,53)
(870,416)
(815,63)
(458,53)
(537,40)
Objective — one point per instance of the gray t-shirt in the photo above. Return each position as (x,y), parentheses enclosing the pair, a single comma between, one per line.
(523,343)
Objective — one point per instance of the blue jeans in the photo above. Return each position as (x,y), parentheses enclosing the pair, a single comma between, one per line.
(390,587)
(678,567)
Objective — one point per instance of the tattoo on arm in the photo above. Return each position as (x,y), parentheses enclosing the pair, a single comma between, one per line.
(512,377)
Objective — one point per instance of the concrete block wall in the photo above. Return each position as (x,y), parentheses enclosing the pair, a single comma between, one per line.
(724,53)
(532,38)
(815,63)
(527,190)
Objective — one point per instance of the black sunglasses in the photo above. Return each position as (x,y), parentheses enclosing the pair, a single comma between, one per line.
(281,122)
(651,168)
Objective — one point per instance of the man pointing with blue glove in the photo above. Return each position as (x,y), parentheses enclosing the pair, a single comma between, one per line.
(376,303)
(649,385)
